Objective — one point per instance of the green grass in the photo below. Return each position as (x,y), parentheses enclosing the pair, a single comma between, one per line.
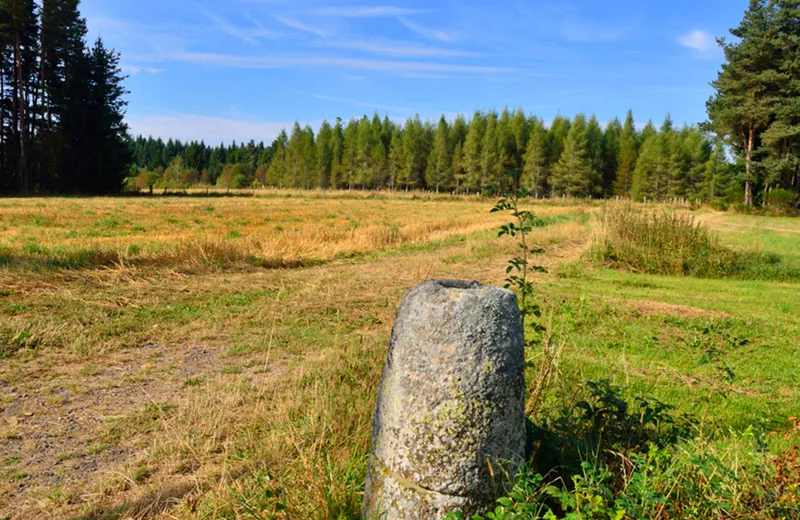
(658,351)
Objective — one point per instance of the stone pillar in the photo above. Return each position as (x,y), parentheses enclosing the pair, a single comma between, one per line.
(449,425)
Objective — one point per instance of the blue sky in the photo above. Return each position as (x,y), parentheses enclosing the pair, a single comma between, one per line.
(220,70)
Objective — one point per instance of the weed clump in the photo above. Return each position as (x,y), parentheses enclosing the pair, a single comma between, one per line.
(670,243)
(605,457)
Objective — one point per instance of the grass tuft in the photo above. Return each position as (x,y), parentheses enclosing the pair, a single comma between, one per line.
(670,243)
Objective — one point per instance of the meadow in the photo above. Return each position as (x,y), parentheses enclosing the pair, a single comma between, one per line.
(219,357)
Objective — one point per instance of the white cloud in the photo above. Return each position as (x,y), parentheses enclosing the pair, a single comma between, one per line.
(368,12)
(697,40)
(212,130)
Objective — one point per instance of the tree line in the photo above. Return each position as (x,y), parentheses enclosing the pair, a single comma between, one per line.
(576,158)
(62,104)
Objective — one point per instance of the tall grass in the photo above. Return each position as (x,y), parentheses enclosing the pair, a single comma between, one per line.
(670,243)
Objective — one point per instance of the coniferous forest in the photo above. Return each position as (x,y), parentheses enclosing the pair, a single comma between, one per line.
(576,158)
(62,103)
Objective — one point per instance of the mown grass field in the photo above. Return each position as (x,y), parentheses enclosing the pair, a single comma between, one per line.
(212,357)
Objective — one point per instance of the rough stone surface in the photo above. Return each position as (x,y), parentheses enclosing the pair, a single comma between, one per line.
(449,425)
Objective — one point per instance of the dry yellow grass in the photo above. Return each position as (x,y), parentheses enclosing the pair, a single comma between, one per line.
(263,230)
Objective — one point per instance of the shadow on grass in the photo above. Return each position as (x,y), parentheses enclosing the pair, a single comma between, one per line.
(64,260)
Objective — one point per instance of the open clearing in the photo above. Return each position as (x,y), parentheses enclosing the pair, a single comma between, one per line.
(210,357)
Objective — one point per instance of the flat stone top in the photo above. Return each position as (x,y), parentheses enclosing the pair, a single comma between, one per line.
(453,284)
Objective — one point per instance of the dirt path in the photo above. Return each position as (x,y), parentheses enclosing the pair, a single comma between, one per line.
(59,424)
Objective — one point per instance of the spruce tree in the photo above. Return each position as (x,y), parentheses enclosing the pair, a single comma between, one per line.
(648,166)
(715,181)
(324,154)
(492,170)
(611,153)
(472,153)
(572,174)
(594,154)
(438,173)
(535,160)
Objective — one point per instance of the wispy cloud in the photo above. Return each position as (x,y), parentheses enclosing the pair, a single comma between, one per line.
(301,26)
(136,36)
(697,40)
(194,127)
(396,49)
(430,34)
(285,62)
(249,35)
(135,69)
(383,11)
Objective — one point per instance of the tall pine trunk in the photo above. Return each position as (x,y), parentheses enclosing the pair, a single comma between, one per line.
(748,164)
(21,122)
(44,104)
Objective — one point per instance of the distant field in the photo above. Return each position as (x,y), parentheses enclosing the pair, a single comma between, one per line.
(213,357)
(271,231)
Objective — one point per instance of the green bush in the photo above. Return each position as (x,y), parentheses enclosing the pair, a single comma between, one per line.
(720,205)
(782,200)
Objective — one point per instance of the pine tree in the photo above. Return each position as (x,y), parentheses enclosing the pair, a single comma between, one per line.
(747,88)
(782,138)
(22,33)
